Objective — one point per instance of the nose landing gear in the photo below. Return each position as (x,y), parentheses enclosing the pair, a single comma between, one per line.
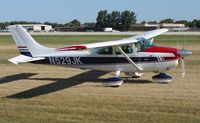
(162,78)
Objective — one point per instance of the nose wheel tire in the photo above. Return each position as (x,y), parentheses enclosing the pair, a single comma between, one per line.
(113,82)
(162,78)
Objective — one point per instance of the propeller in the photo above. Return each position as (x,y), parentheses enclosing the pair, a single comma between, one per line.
(183,67)
(183,53)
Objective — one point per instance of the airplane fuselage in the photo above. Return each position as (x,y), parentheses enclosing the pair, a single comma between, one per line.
(148,61)
(133,55)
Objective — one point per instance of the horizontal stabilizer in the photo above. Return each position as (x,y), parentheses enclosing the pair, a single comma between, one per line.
(23,59)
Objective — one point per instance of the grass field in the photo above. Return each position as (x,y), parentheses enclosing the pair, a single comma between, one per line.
(37,94)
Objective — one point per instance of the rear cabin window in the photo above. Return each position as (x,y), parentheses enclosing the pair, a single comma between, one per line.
(105,51)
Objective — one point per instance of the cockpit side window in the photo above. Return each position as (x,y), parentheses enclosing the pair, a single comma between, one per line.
(143,44)
(127,49)
(138,45)
(105,51)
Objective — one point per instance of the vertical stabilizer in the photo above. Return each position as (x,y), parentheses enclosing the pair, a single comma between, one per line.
(26,44)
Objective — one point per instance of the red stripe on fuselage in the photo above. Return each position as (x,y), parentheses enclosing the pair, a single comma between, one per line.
(159,49)
(69,48)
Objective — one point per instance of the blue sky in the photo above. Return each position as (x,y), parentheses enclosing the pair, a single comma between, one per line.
(63,11)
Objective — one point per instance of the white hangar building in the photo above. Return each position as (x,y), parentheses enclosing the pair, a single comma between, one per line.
(37,27)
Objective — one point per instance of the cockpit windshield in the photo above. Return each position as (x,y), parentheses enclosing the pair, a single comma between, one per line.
(143,44)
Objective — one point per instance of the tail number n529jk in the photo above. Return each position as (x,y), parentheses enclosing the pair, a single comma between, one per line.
(65,60)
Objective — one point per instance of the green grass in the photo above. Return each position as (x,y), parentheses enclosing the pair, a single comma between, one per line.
(65,39)
(174,39)
(137,100)
(80,39)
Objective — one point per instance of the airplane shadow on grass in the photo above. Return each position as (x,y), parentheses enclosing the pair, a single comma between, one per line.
(135,80)
(63,83)
(16,77)
(59,84)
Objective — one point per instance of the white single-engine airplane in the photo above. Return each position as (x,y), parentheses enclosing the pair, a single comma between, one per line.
(133,56)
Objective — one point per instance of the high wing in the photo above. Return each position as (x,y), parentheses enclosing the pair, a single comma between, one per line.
(110,43)
(29,47)
(131,40)
(150,34)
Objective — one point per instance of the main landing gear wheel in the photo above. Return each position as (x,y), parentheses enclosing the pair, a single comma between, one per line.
(162,78)
(113,82)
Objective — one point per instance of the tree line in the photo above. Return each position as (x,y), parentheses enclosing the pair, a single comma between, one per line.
(121,21)
(117,20)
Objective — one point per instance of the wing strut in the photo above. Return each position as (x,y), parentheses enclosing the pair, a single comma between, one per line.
(129,59)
